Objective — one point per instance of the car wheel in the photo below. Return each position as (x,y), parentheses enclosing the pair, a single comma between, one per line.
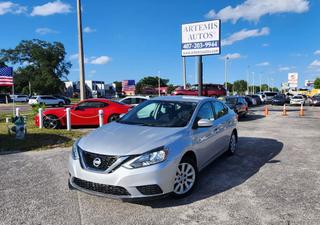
(60,104)
(232,144)
(113,117)
(186,178)
(51,122)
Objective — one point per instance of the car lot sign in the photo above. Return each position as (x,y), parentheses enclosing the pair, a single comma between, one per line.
(202,38)
(293,80)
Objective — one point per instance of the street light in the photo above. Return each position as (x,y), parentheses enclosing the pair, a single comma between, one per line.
(81,57)
(226,58)
(253,87)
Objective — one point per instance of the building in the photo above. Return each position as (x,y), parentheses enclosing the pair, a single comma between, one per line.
(94,89)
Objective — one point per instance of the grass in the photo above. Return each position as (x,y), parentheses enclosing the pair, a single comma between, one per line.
(36,139)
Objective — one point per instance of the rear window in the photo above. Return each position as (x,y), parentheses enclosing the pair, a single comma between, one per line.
(270,94)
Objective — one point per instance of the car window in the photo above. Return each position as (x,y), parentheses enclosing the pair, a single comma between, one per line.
(90,104)
(220,110)
(206,112)
(147,111)
(126,101)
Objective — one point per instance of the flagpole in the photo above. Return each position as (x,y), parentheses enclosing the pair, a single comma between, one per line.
(13,97)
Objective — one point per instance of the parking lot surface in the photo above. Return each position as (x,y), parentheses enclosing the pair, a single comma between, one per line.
(274,178)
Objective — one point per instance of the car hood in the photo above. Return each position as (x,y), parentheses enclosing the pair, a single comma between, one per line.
(123,139)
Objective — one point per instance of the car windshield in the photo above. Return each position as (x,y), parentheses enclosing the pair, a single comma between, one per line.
(297,97)
(231,101)
(159,113)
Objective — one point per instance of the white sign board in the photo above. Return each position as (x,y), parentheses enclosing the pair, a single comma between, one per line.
(202,38)
(293,80)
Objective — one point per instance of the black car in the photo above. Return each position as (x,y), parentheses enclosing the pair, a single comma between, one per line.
(66,100)
(257,98)
(278,100)
(315,100)
(249,100)
(238,104)
(4,98)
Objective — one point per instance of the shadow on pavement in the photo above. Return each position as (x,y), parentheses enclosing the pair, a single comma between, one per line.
(10,145)
(228,172)
(250,117)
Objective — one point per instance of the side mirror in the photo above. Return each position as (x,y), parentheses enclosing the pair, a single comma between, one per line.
(204,123)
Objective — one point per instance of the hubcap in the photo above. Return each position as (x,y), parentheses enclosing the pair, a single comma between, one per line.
(233,143)
(185,178)
(51,123)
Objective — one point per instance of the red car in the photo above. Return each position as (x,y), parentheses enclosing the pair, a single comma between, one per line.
(85,113)
(210,90)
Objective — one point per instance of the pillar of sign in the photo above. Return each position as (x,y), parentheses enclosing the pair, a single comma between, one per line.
(200,39)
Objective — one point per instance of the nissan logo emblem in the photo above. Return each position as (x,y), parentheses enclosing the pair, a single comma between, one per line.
(96,162)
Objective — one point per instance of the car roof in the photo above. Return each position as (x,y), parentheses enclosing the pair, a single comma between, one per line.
(182,98)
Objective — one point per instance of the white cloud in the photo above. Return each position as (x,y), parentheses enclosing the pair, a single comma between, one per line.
(244,34)
(101,60)
(252,10)
(10,7)
(317,52)
(284,68)
(263,64)
(231,56)
(265,45)
(51,8)
(315,63)
(45,30)
(89,30)
(92,60)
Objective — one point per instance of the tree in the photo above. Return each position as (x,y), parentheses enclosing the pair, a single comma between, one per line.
(240,86)
(171,88)
(150,82)
(317,83)
(118,86)
(229,87)
(39,62)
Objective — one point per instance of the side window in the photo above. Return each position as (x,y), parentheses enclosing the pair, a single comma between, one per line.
(127,101)
(134,101)
(205,112)
(220,110)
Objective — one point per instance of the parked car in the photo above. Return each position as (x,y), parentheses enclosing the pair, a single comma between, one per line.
(46,100)
(278,100)
(262,97)
(237,104)
(157,148)
(134,100)
(297,100)
(210,90)
(269,96)
(251,101)
(66,100)
(4,98)
(257,98)
(85,113)
(315,100)
(19,98)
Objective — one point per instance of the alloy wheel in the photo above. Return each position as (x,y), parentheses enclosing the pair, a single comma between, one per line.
(185,178)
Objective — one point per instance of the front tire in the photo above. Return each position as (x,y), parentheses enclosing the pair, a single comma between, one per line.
(51,122)
(186,178)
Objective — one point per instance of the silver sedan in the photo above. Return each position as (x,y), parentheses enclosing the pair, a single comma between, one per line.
(156,149)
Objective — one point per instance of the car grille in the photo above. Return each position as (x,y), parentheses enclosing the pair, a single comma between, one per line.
(149,189)
(88,159)
(101,188)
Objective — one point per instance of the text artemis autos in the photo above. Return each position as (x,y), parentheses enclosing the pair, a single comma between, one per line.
(201,31)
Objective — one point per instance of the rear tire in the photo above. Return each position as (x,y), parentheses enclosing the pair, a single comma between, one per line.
(186,178)
(51,122)
(232,144)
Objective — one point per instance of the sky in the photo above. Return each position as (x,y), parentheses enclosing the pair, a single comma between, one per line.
(126,39)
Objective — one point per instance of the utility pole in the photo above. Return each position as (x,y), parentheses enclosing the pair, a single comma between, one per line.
(226,58)
(159,85)
(81,57)
(248,79)
(260,81)
(253,87)
(184,72)
(200,80)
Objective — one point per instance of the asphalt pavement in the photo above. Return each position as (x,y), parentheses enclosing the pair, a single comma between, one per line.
(274,178)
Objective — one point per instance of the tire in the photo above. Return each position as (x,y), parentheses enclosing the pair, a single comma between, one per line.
(113,117)
(60,104)
(51,122)
(232,144)
(184,184)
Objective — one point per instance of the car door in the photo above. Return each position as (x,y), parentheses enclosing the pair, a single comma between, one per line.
(204,138)
(87,113)
(222,122)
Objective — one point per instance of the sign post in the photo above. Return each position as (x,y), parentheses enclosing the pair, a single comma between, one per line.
(199,39)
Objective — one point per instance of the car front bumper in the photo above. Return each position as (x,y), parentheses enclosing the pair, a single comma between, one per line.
(140,183)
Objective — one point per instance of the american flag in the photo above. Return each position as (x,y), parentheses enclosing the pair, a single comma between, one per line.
(128,85)
(6,78)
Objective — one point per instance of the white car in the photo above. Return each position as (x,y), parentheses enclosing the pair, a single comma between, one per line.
(46,100)
(297,100)
(134,100)
(20,98)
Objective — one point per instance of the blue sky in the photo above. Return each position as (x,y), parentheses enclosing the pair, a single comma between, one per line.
(132,39)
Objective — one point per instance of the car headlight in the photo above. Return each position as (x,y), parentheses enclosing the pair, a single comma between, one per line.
(152,157)
(75,152)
